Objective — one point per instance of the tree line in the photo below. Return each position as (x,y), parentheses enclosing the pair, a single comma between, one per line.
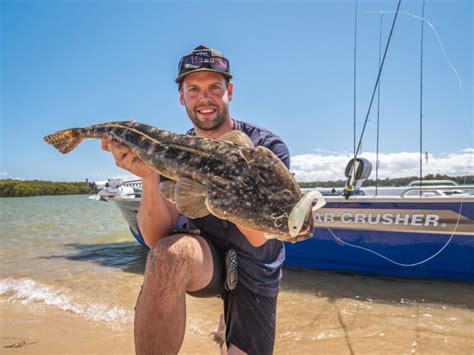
(392,182)
(25,188)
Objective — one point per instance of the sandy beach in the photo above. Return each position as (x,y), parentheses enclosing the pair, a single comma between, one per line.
(25,332)
(319,313)
(68,285)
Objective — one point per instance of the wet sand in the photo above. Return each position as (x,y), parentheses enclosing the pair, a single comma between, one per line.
(318,313)
(322,312)
(69,282)
(24,332)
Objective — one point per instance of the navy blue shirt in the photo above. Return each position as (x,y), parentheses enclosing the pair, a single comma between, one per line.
(260,269)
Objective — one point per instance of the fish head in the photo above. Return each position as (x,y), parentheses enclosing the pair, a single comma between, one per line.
(306,232)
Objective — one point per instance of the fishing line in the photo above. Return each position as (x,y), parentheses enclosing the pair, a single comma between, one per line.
(393,261)
(441,45)
(437,37)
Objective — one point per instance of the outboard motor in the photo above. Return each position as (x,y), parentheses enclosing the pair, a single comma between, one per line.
(356,174)
(97,185)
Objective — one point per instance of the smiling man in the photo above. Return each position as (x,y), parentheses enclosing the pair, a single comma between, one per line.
(206,257)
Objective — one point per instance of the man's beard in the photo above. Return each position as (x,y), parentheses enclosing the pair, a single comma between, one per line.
(209,125)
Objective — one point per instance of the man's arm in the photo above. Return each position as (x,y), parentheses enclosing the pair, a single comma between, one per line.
(157,217)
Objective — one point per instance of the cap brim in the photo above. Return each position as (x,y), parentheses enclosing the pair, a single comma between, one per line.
(180,78)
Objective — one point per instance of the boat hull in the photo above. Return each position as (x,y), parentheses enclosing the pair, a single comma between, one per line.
(421,238)
(414,238)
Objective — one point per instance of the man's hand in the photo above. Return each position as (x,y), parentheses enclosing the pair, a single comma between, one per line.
(255,238)
(126,159)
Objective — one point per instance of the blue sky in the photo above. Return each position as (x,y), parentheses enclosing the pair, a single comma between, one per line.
(77,63)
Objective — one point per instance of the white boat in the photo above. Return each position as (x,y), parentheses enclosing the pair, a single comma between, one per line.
(123,187)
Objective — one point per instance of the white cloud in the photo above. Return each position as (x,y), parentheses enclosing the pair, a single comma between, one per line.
(3,173)
(324,167)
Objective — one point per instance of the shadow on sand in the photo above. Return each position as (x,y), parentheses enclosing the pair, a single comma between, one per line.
(334,285)
(131,257)
(127,256)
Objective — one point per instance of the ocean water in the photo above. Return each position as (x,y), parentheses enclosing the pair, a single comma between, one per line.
(68,253)
(73,258)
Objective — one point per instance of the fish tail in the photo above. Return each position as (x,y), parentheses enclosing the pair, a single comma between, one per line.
(66,140)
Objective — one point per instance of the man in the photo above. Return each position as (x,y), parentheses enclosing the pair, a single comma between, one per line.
(196,262)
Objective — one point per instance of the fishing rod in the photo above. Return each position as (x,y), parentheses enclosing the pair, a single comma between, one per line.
(355,75)
(378,114)
(349,188)
(421,99)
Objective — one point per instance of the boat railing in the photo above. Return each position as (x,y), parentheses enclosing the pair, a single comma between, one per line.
(459,189)
(456,189)
(133,183)
(433,183)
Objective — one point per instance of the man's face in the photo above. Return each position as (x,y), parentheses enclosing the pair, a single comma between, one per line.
(206,98)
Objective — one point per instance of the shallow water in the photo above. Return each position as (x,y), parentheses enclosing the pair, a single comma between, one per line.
(69,269)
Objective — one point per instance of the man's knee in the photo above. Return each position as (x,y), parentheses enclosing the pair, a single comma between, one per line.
(168,251)
(174,255)
(181,259)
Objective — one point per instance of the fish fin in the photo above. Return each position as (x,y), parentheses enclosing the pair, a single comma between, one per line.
(191,198)
(223,203)
(65,140)
(237,137)
(167,189)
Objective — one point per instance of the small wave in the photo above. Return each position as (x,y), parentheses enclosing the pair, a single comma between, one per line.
(28,291)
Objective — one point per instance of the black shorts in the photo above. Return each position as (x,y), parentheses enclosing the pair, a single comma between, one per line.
(249,317)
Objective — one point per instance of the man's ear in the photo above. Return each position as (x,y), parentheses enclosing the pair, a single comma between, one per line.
(181,96)
(230,91)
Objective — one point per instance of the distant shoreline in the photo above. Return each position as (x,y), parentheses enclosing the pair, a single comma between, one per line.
(30,188)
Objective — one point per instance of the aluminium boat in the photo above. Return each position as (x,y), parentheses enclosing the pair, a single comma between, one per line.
(419,231)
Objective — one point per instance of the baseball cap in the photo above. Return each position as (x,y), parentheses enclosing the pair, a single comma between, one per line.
(203,58)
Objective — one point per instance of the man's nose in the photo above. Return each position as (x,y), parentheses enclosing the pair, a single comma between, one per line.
(205,97)
(205,94)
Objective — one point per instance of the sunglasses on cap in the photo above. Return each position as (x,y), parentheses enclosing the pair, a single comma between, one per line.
(201,60)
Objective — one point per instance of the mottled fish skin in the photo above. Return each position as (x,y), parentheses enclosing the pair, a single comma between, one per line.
(249,186)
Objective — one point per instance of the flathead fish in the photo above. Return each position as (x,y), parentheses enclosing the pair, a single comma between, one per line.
(227,177)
